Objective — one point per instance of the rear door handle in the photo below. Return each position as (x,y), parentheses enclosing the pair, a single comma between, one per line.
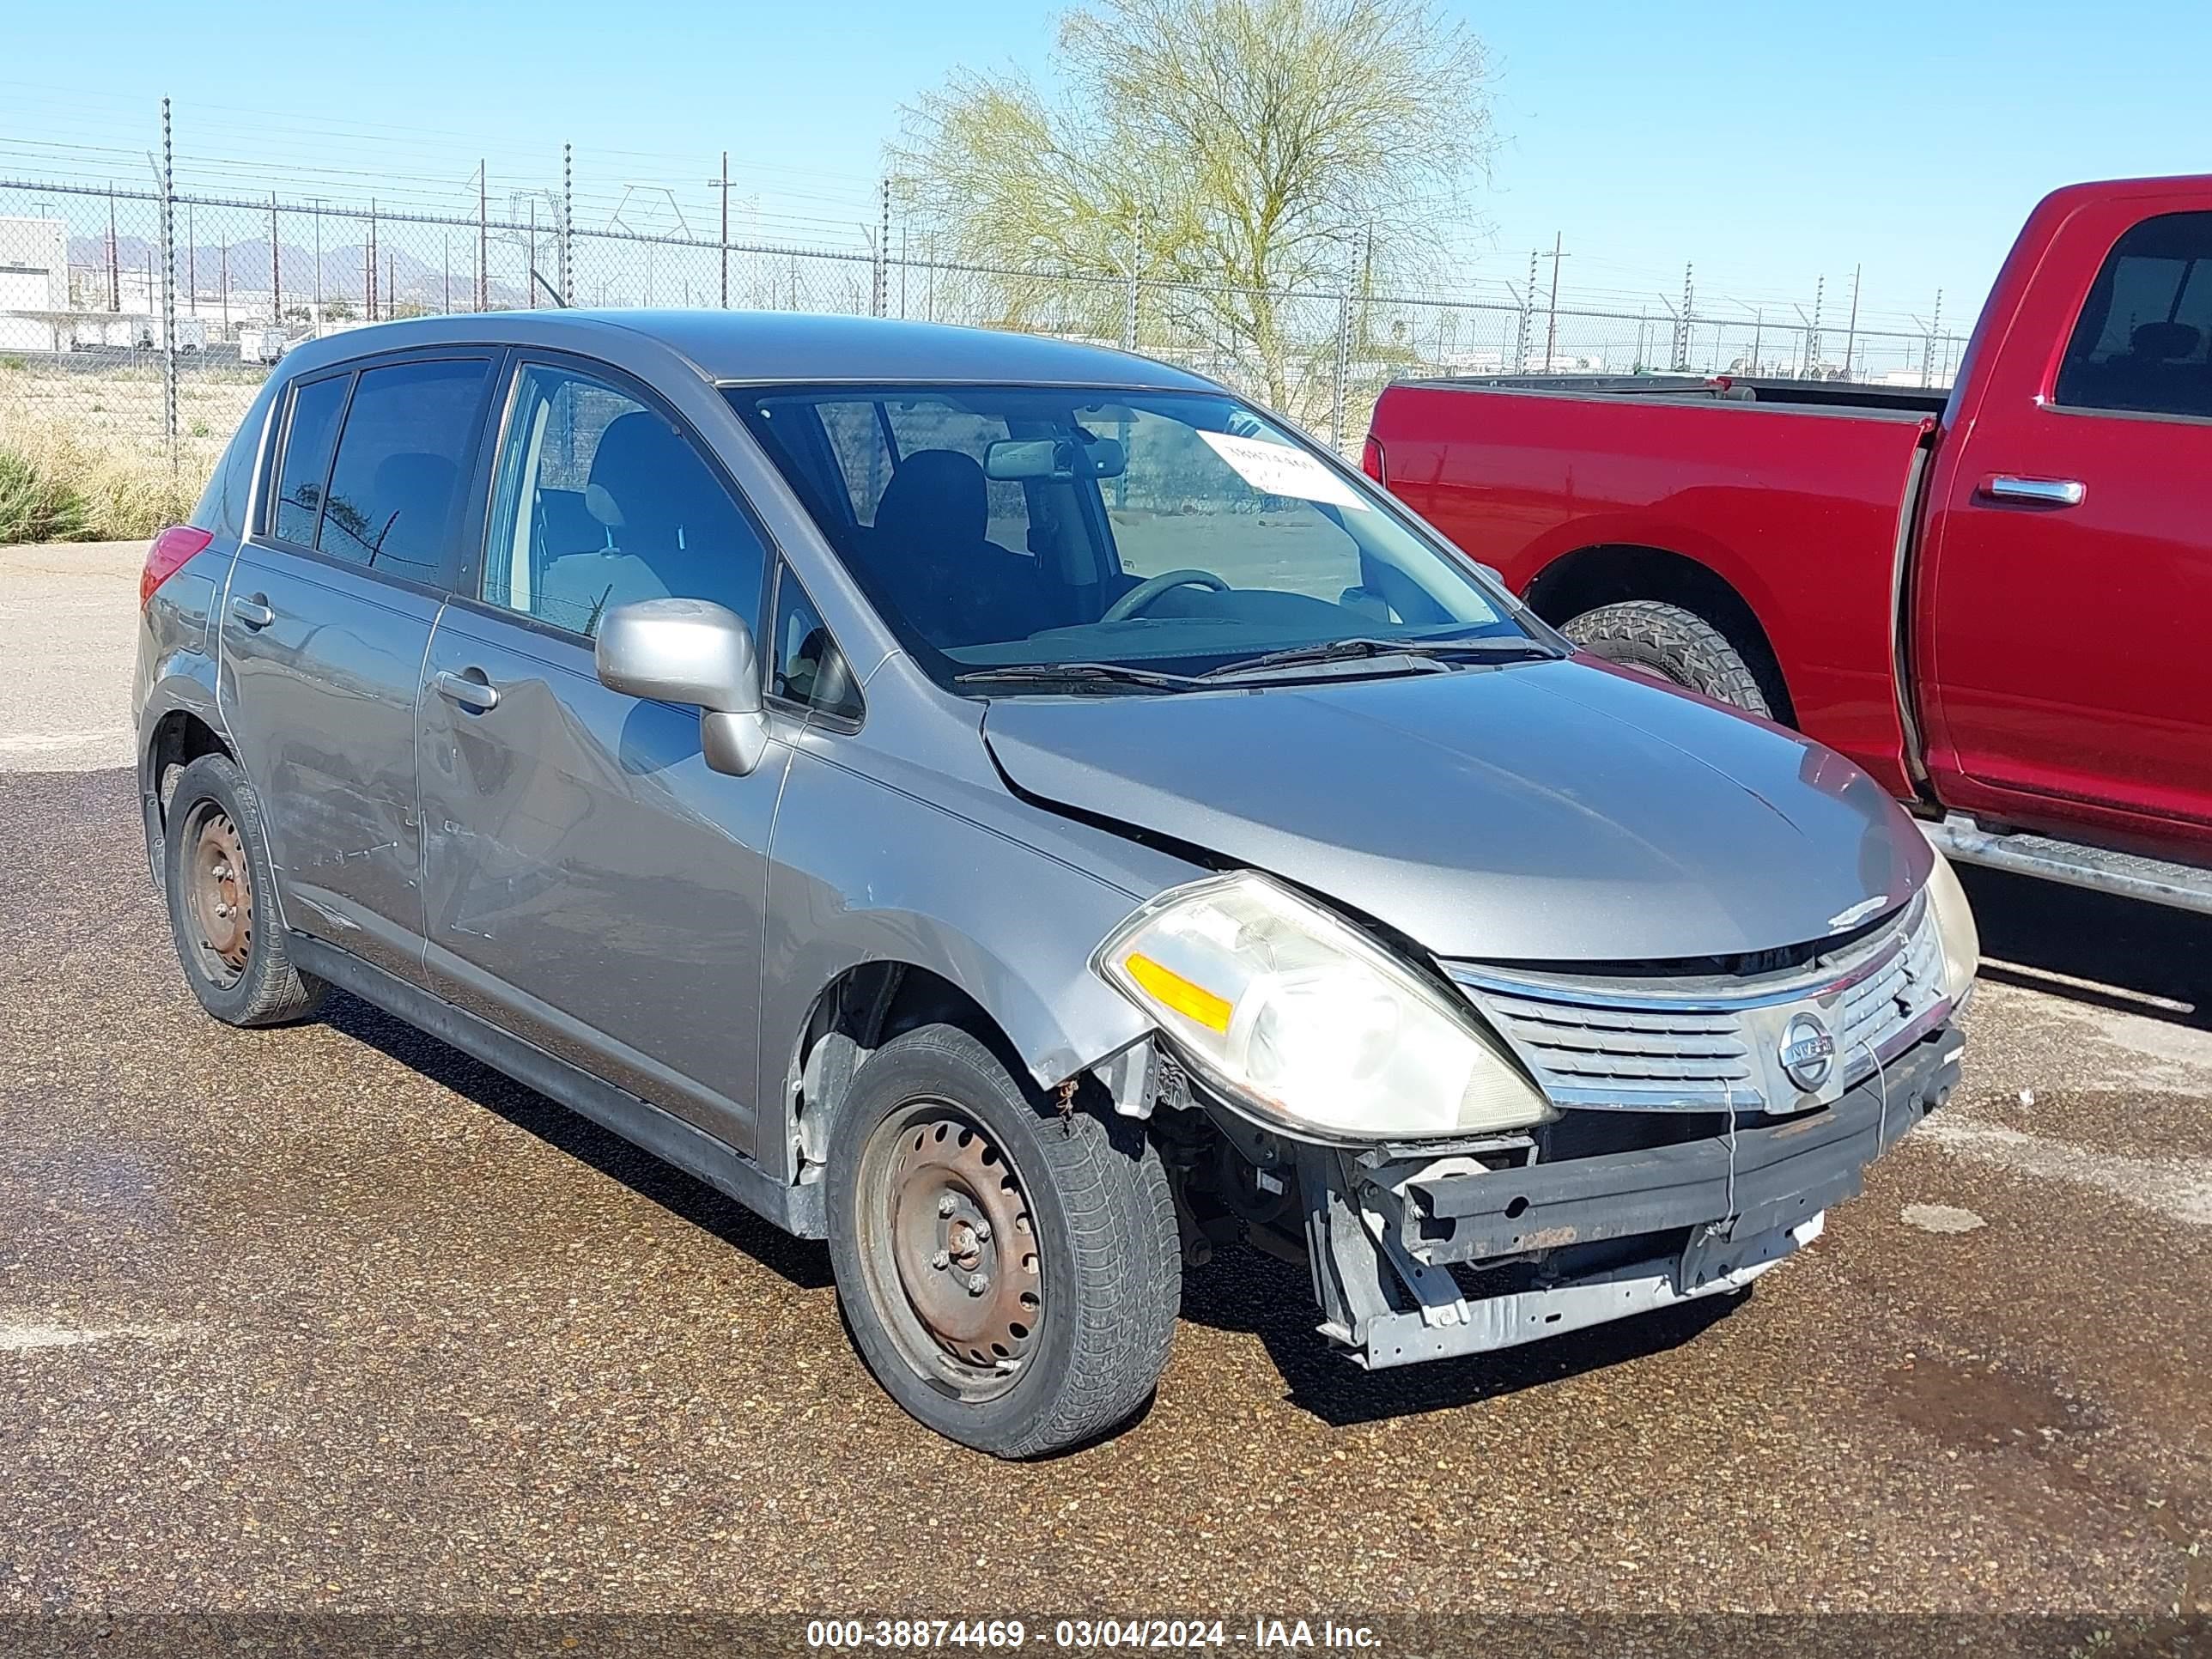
(2044,492)
(468,690)
(254,612)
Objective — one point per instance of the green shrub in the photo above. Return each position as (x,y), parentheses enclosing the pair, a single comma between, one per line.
(37,507)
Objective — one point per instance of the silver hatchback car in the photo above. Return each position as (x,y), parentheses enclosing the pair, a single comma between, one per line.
(1018,811)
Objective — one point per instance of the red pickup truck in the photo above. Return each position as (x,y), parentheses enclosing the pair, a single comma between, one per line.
(1999,601)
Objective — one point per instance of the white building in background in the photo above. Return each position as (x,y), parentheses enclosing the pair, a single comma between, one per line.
(33,284)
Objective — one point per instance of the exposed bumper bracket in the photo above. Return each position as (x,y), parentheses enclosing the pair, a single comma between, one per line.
(1384,1241)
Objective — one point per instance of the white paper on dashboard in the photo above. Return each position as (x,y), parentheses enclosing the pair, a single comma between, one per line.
(1278,470)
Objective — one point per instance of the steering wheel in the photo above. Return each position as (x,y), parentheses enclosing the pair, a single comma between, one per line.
(1153,587)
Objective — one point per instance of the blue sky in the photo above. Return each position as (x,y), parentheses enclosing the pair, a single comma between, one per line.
(1770,143)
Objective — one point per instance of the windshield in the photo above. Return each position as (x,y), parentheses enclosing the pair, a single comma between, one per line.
(1171,532)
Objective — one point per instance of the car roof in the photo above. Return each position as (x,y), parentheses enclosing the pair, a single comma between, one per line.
(781,346)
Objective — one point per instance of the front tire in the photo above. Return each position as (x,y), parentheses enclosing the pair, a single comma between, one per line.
(1674,644)
(1010,1276)
(216,872)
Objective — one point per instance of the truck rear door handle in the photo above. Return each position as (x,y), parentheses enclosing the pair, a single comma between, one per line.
(470,691)
(2044,492)
(254,612)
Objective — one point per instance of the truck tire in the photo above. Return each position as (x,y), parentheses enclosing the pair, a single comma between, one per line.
(1676,645)
(222,904)
(1011,1275)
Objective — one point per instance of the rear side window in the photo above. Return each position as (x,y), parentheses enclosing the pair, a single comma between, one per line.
(2144,341)
(309,425)
(410,435)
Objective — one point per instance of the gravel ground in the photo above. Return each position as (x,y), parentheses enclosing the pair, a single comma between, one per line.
(332,1317)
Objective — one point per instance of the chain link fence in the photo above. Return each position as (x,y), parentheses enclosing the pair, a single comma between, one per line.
(137,322)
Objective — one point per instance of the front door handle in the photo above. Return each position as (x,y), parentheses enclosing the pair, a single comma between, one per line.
(2044,492)
(253,611)
(470,691)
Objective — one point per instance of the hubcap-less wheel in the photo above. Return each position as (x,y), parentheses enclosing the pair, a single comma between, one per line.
(949,1250)
(220,894)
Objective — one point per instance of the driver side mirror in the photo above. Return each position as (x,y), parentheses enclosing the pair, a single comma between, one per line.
(691,651)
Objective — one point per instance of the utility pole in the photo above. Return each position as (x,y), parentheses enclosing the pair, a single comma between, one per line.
(276,270)
(1681,341)
(1851,334)
(114,276)
(368,285)
(191,259)
(483,239)
(722,184)
(1812,337)
(569,221)
(1552,317)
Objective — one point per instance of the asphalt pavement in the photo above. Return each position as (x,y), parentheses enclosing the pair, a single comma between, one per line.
(332,1317)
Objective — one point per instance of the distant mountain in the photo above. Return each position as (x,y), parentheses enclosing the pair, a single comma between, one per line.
(410,279)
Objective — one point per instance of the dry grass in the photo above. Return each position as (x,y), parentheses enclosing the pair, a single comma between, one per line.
(100,434)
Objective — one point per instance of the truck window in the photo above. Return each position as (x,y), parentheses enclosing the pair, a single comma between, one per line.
(2143,343)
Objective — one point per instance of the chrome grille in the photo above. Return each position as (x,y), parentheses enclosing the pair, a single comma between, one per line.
(1713,1041)
(1878,1008)
(1590,1047)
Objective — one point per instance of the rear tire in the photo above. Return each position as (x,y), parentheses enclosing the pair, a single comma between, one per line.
(1676,645)
(222,900)
(1010,1276)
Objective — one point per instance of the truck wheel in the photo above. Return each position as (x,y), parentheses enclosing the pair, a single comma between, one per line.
(1010,1276)
(1675,644)
(222,910)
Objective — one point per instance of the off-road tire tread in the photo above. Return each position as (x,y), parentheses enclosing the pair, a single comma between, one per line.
(1677,644)
(1126,1275)
(276,992)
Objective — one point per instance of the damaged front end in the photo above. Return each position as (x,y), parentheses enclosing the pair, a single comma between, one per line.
(1700,1119)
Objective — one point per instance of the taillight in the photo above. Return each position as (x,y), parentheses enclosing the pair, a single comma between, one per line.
(1371,460)
(168,554)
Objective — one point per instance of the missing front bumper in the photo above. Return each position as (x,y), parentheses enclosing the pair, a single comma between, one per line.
(1385,1240)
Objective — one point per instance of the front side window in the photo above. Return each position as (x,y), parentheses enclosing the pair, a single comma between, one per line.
(1175,532)
(410,429)
(602,501)
(2144,341)
(304,468)
(809,668)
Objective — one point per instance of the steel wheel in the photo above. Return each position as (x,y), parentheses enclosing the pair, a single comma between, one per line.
(219,894)
(949,1252)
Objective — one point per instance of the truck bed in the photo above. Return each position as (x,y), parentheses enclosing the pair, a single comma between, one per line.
(1798,496)
(1800,395)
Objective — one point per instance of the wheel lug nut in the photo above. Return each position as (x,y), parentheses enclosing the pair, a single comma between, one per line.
(982,1230)
(946,1205)
(940,1260)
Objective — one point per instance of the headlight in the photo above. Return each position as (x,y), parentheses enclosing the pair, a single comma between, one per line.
(1307,1021)
(1954,926)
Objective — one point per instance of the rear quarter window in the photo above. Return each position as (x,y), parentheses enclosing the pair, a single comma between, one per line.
(311,423)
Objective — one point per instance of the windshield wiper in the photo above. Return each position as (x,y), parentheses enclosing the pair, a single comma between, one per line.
(1493,648)
(1077,673)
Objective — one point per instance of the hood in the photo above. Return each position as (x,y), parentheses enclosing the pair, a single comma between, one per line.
(1557,812)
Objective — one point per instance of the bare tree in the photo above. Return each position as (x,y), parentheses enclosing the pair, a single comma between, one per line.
(1238,148)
